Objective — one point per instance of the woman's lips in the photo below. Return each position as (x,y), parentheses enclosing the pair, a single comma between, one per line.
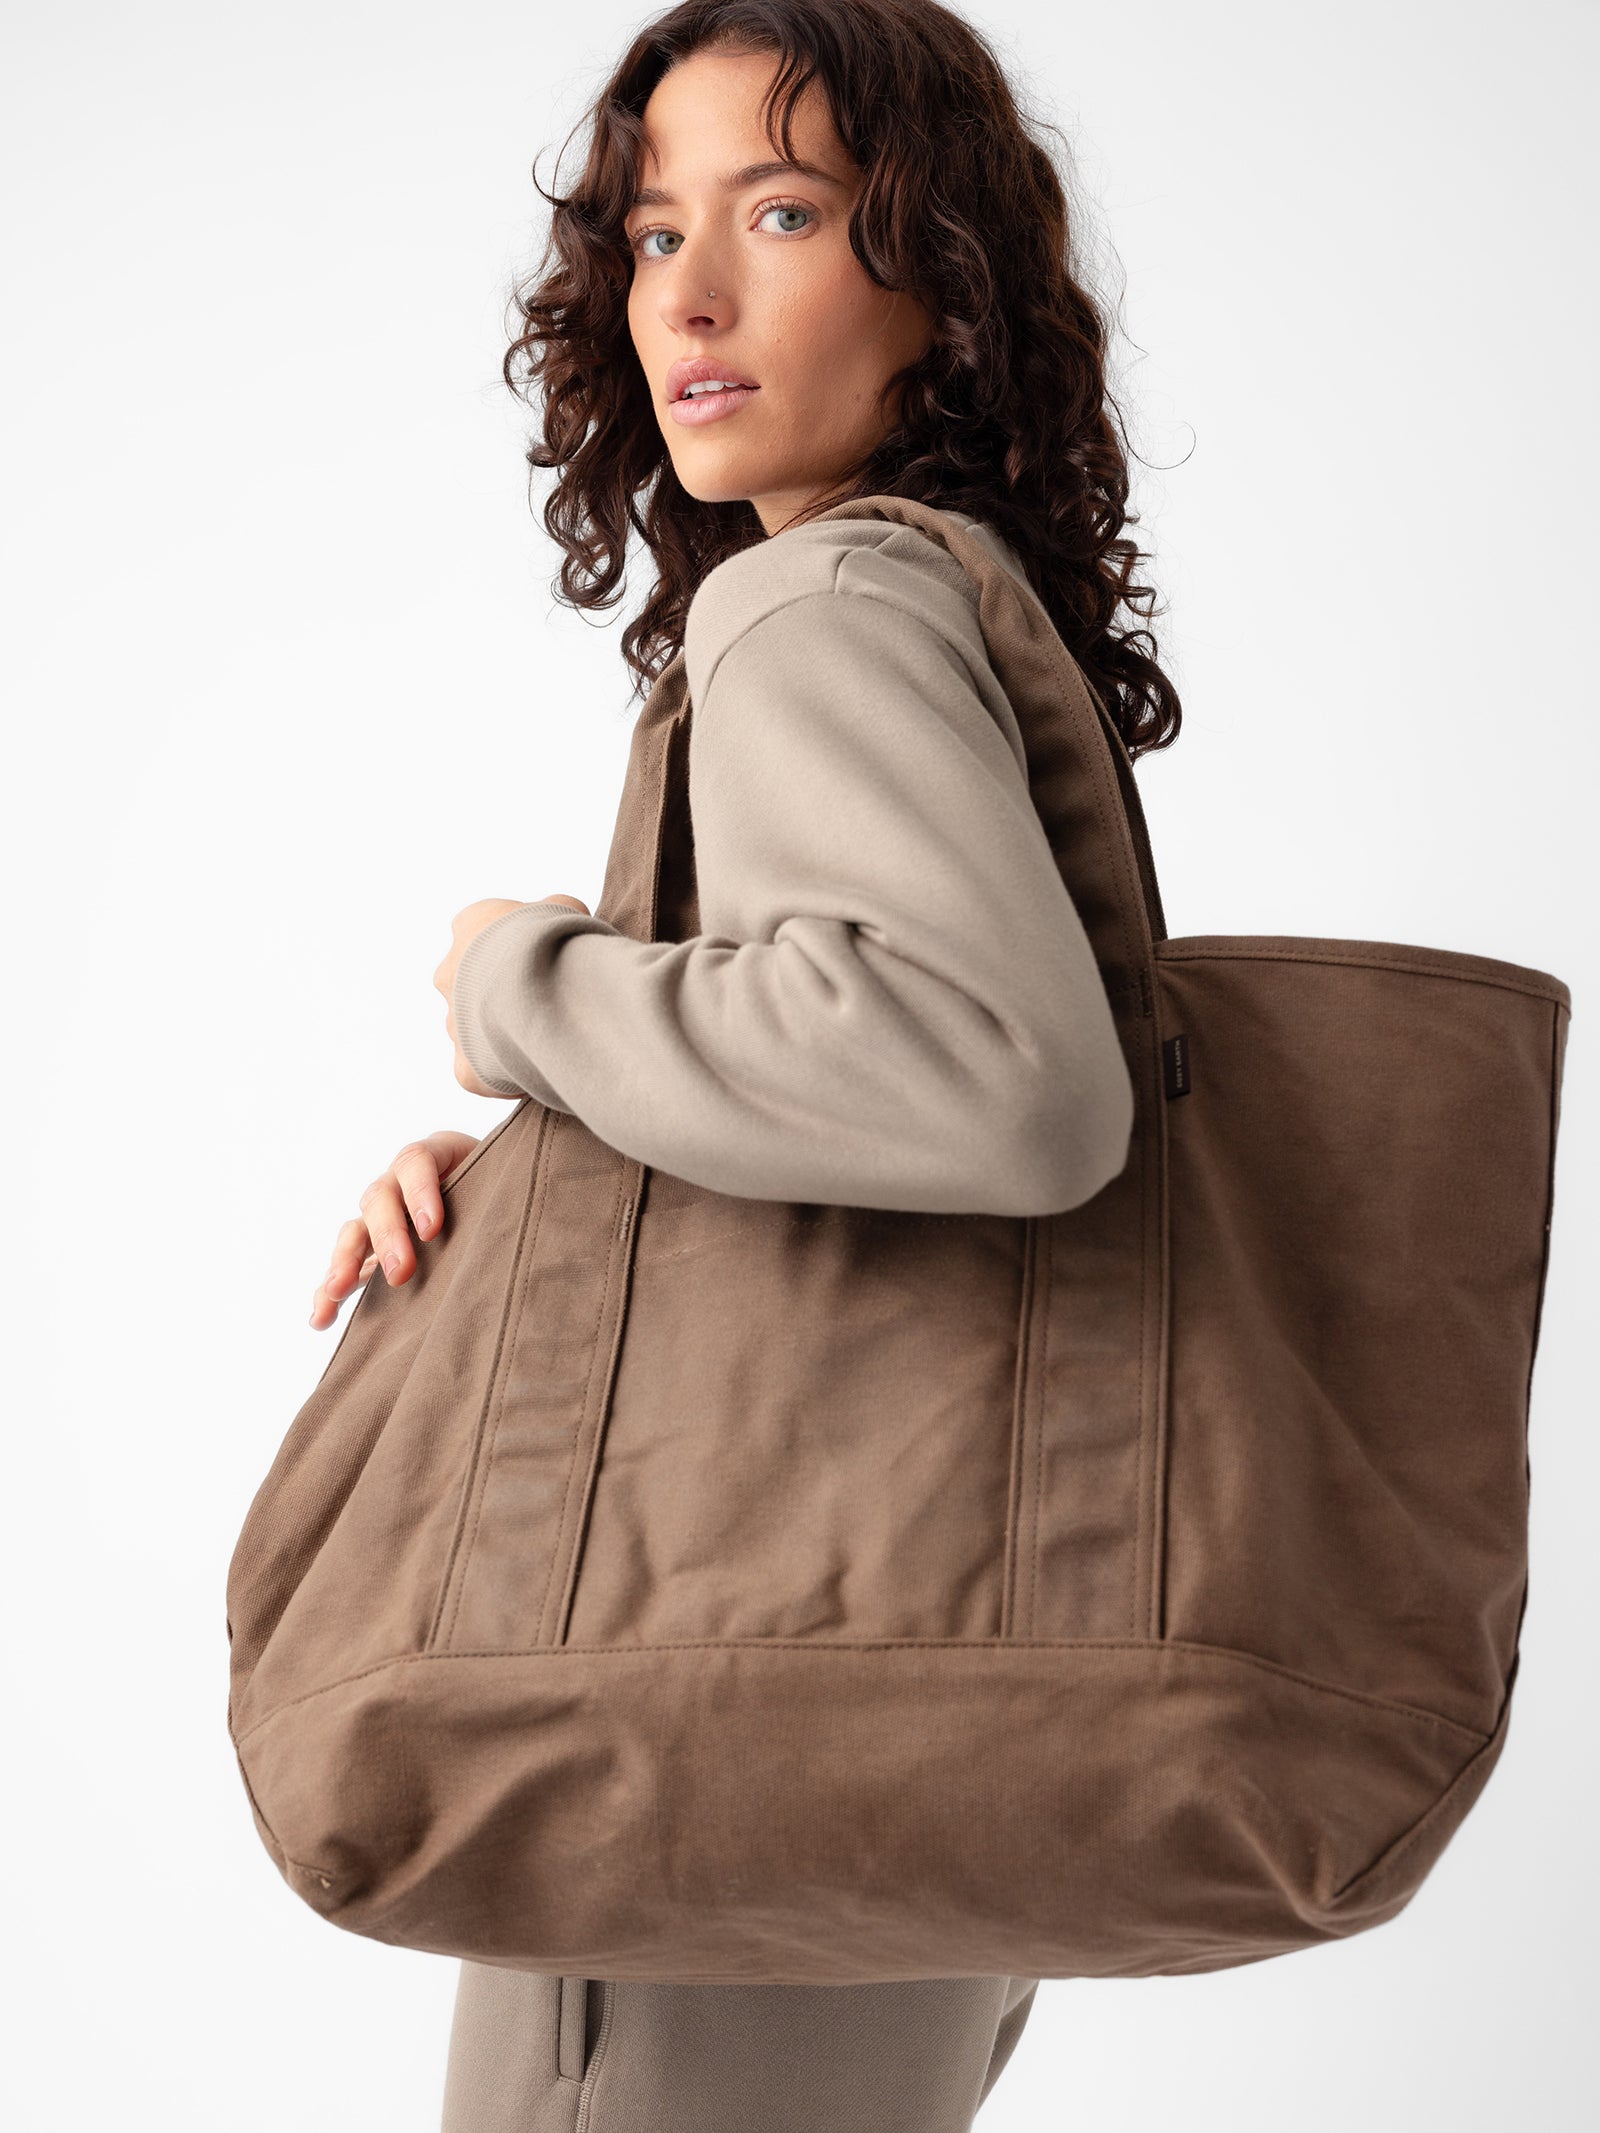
(711,407)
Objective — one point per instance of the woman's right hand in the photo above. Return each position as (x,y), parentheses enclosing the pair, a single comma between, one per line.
(379,1235)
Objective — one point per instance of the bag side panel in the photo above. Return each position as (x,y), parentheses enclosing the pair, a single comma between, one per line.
(1359,1188)
(341,1554)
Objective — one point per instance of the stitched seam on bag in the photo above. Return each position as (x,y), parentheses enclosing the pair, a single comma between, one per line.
(1176,952)
(483,1451)
(303,1866)
(1553,1128)
(1151,1063)
(554,1554)
(511,1325)
(1016,1463)
(1044,1274)
(626,1248)
(1419,1828)
(320,1872)
(473,1154)
(477,1452)
(1144,1647)
(1161,1448)
(250,1794)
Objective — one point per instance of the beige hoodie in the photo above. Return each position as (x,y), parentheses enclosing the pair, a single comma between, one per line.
(892,1001)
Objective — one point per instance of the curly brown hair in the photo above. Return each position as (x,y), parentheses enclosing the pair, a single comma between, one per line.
(1007,416)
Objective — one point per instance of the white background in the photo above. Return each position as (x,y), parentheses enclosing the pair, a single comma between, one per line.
(289,687)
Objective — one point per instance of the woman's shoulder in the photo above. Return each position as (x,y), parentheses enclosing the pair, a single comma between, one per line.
(872,558)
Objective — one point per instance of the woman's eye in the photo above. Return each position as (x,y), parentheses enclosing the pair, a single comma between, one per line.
(781,208)
(785,207)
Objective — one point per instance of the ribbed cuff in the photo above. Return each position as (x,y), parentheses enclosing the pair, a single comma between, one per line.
(491,958)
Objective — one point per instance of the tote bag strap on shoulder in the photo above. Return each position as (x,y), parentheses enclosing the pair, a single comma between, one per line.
(1080,777)
(1079,773)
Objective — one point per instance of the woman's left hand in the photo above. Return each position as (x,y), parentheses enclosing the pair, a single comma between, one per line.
(467,924)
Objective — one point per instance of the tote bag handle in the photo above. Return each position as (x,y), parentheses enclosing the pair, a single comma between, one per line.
(1080,774)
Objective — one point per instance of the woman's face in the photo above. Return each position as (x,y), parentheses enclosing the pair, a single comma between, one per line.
(793,312)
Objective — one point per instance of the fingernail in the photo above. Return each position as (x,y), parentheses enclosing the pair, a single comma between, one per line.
(391,1266)
(424,1221)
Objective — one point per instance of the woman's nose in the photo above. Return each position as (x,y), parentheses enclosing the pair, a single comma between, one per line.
(695,289)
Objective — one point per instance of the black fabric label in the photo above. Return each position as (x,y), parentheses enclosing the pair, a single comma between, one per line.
(1175,1064)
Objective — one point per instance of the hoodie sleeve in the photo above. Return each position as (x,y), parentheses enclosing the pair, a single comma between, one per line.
(892,1001)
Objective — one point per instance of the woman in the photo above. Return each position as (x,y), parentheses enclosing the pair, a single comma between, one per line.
(844,266)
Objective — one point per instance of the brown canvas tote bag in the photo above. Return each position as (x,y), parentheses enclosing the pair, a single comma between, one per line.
(666,1584)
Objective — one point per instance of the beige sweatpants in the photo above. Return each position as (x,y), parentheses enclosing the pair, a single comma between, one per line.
(536,2054)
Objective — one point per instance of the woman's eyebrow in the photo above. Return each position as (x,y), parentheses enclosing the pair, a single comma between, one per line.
(736,180)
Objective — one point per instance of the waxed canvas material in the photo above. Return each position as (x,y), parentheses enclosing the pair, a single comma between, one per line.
(667,1584)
